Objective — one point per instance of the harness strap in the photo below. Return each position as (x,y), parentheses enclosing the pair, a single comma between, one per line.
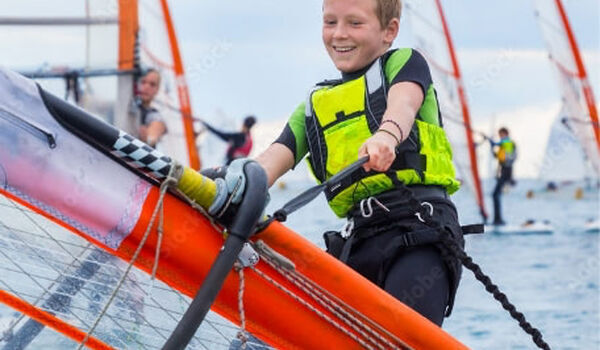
(472,229)
(411,239)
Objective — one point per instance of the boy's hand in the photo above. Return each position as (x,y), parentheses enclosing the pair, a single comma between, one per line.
(404,101)
(381,151)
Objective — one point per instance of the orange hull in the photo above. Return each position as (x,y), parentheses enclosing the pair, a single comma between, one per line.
(190,245)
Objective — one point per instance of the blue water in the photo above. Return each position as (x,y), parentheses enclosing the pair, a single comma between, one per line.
(552,279)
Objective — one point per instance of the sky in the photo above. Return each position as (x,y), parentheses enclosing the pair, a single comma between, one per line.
(261,57)
(232,49)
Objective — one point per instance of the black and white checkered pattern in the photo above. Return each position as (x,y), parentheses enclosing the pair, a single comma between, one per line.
(141,156)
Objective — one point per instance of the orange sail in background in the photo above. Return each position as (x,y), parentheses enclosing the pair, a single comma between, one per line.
(93,52)
(147,38)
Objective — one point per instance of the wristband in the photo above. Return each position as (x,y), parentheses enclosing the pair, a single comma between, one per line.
(397,126)
(389,133)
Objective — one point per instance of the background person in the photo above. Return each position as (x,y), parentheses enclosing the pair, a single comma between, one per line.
(240,143)
(506,152)
(145,120)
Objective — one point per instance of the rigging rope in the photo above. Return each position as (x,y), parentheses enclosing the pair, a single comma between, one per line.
(336,307)
(468,262)
(342,308)
(312,308)
(454,248)
(242,332)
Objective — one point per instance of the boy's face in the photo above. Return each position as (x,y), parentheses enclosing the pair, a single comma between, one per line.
(353,35)
(148,87)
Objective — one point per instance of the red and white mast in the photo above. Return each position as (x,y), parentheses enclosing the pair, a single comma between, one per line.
(433,40)
(577,94)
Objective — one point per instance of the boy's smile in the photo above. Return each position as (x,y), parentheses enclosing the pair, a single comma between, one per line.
(353,35)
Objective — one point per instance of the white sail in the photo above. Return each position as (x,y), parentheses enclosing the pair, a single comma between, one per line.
(432,38)
(564,158)
(580,112)
(93,52)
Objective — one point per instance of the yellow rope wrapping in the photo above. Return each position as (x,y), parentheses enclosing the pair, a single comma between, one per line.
(197,187)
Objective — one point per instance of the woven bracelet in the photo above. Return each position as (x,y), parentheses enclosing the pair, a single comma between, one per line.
(397,126)
(390,133)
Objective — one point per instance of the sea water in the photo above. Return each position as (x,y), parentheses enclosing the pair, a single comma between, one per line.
(552,279)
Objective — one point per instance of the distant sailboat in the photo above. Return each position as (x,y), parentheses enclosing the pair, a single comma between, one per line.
(430,29)
(572,155)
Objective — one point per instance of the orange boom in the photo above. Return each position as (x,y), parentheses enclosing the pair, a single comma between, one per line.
(190,244)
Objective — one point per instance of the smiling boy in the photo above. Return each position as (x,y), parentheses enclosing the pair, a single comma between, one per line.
(384,106)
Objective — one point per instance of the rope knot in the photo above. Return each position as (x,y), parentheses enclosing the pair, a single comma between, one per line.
(242,336)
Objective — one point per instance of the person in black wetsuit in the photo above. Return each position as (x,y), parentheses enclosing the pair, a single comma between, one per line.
(240,143)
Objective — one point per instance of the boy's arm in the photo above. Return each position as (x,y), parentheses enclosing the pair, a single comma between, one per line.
(287,149)
(404,101)
(277,159)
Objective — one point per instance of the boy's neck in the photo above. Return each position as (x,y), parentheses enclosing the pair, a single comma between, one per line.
(347,76)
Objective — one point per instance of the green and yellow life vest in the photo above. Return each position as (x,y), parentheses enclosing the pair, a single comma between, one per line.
(341,116)
(507,153)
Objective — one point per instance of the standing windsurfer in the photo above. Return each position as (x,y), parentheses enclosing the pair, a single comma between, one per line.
(240,143)
(385,107)
(506,152)
(145,121)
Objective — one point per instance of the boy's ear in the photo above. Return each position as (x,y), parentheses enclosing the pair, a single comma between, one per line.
(391,31)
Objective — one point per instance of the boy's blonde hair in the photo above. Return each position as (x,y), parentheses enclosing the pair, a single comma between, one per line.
(386,10)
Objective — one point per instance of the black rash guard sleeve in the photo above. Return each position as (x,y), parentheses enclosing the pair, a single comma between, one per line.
(287,138)
(415,70)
